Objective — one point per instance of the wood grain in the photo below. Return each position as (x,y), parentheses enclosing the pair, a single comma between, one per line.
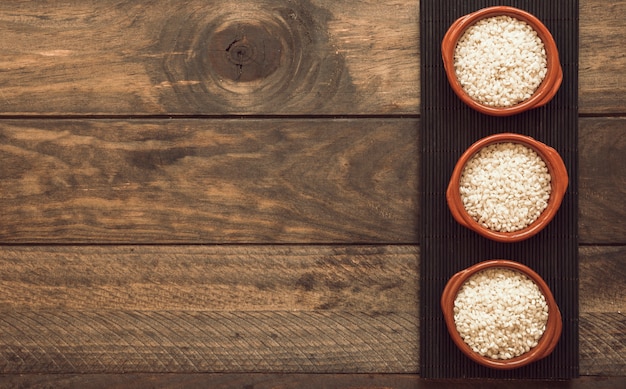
(323,57)
(368,279)
(95,309)
(602,180)
(181,341)
(209,57)
(603,343)
(602,78)
(602,278)
(217,181)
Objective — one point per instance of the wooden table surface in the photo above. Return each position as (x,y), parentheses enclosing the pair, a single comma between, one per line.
(217,193)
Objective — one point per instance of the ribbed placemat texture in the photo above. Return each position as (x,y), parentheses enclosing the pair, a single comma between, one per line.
(448,128)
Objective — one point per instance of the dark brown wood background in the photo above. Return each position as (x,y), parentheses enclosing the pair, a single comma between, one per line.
(213,187)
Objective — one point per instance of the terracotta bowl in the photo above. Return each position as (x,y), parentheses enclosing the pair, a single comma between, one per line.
(546,90)
(546,343)
(559,183)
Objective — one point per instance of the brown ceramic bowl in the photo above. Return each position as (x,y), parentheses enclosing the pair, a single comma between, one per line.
(559,183)
(548,340)
(546,90)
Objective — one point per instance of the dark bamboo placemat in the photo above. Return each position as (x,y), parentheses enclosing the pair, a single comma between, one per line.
(448,127)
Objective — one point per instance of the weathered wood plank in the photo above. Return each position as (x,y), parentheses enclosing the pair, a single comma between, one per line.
(302,381)
(215,57)
(175,57)
(602,271)
(185,341)
(369,279)
(364,278)
(602,64)
(77,58)
(602,180)
(271,307)
(603,343)
(200,181)
(247,308)
(270,181)
(239,342)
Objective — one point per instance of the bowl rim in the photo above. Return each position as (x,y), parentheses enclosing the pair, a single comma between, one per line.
(544,92)
(559,183)
(549,338)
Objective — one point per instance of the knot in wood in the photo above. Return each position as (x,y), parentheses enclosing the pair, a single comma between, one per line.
(240,52)
(251,57)
(250,51)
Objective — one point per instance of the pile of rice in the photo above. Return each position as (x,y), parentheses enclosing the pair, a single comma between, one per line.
(500,313)
(500,61)
(505,186)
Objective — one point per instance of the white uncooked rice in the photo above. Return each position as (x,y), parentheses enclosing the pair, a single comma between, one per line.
(505,186)
(500,313)
(500,61)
